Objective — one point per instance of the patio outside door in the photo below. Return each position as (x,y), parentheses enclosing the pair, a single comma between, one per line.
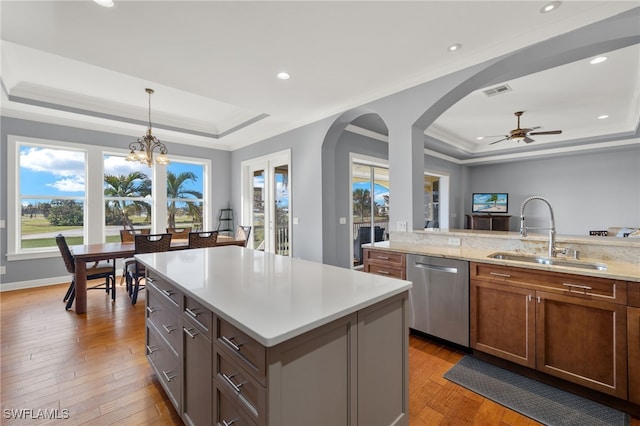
(369,204)
(266,201)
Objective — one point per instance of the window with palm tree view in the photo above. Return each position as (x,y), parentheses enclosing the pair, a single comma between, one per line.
(53,181)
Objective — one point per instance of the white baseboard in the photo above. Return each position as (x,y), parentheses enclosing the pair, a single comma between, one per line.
(20,285)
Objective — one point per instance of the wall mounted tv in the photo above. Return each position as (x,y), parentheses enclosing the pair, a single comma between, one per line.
(485,202)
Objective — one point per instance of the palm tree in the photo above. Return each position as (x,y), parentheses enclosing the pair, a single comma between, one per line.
(361,202)
(176,189)
(135,184)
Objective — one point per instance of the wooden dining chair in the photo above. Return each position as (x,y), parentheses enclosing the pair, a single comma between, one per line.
(243,233)
(179,233)
(151,243)
(127,236)
(104,269)
(203,239)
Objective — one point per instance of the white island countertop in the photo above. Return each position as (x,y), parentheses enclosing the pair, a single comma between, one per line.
(271,298)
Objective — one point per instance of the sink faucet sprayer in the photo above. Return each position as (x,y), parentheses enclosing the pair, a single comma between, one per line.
(552,225)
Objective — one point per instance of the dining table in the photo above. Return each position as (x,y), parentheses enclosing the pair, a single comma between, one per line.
(118,250)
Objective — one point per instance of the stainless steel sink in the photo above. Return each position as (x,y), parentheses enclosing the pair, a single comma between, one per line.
(548,261)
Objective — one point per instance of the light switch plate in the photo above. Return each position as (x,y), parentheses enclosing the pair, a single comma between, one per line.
(343,221)
(3,270)
(401,226)
(296,221)
(3,223)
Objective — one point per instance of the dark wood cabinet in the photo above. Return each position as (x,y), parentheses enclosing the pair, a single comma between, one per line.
(564,325)
(487,222)
(384,262)
(502,322)
(633,340)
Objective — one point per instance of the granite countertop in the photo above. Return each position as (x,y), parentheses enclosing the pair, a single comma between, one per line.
(271,298)
(626,271)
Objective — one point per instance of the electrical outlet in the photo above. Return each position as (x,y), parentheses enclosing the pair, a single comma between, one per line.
(454,242)
(401,226)
(3,270)
(296,221)
(343,221)
(3,223)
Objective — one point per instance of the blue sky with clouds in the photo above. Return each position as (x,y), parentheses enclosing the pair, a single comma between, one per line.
(59,172)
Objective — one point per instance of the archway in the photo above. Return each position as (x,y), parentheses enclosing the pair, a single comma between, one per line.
(338,143)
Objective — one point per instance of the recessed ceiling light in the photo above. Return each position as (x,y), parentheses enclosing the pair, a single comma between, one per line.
(105,3)
(550,6)
(598,60)
(480,138)
(602,117)
(454,47)
(283,75)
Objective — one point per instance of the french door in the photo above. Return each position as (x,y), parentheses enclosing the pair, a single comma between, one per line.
(266,202)
(369,203)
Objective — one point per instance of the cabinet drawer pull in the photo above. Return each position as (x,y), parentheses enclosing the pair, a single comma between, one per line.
(151,349)
(192,312)
(167,376)
(168,293)
(230,382)
(228,423)
(382,257)
(191,333)
(380,271)
(498,274)
(150,309)
(581,287)
(168,328)
(229,342)
(530,297)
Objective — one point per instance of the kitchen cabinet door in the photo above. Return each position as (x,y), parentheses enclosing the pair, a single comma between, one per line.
(583,341)
(198,402)
(633,333)
(503,321)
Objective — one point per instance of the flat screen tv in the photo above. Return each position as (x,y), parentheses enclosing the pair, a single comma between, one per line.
(485,202)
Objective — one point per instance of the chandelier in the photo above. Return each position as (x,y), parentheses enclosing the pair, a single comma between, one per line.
(142,149)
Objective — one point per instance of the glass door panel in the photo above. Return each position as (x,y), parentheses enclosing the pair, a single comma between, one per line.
(257,211)
(281,197)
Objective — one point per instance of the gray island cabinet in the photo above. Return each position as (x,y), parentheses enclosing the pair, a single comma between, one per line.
(242,337)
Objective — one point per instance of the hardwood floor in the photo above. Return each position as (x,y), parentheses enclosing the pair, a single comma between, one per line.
(92,368)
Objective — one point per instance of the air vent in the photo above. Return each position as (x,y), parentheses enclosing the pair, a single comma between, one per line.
(504,88)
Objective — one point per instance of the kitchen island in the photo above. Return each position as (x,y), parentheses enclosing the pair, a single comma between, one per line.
(240,335)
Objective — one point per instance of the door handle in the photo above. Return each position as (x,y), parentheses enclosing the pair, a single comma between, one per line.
(447,269)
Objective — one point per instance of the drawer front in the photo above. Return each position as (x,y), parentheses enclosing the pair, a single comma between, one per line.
(164,317)
(245,350)
(165,288)
(198,315)
(556,282)
(229,413)
(244,388)
(166,365)
(385,270)
(387,257)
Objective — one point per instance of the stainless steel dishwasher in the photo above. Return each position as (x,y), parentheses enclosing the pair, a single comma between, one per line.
(439,298)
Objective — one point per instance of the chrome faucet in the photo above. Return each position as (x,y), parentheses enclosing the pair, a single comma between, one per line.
(553,250)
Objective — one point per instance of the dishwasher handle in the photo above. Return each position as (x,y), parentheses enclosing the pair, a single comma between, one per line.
(435,267)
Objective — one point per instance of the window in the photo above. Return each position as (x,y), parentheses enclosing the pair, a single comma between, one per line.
(51,195)
(87,193)
(185,189)
(127,195)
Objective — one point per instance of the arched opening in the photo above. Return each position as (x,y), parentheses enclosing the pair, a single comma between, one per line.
(358,133)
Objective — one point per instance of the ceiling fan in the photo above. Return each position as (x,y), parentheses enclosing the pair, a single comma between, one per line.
(524,134)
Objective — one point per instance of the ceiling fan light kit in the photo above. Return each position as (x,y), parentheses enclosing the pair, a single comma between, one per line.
(523,134)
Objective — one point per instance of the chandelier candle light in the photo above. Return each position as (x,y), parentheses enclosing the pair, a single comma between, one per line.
(147,144)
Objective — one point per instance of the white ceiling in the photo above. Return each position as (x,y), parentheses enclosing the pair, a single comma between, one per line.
(213,66)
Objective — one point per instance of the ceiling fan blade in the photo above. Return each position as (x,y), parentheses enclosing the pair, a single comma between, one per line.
(499,140)
(550,132)
(527,139)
